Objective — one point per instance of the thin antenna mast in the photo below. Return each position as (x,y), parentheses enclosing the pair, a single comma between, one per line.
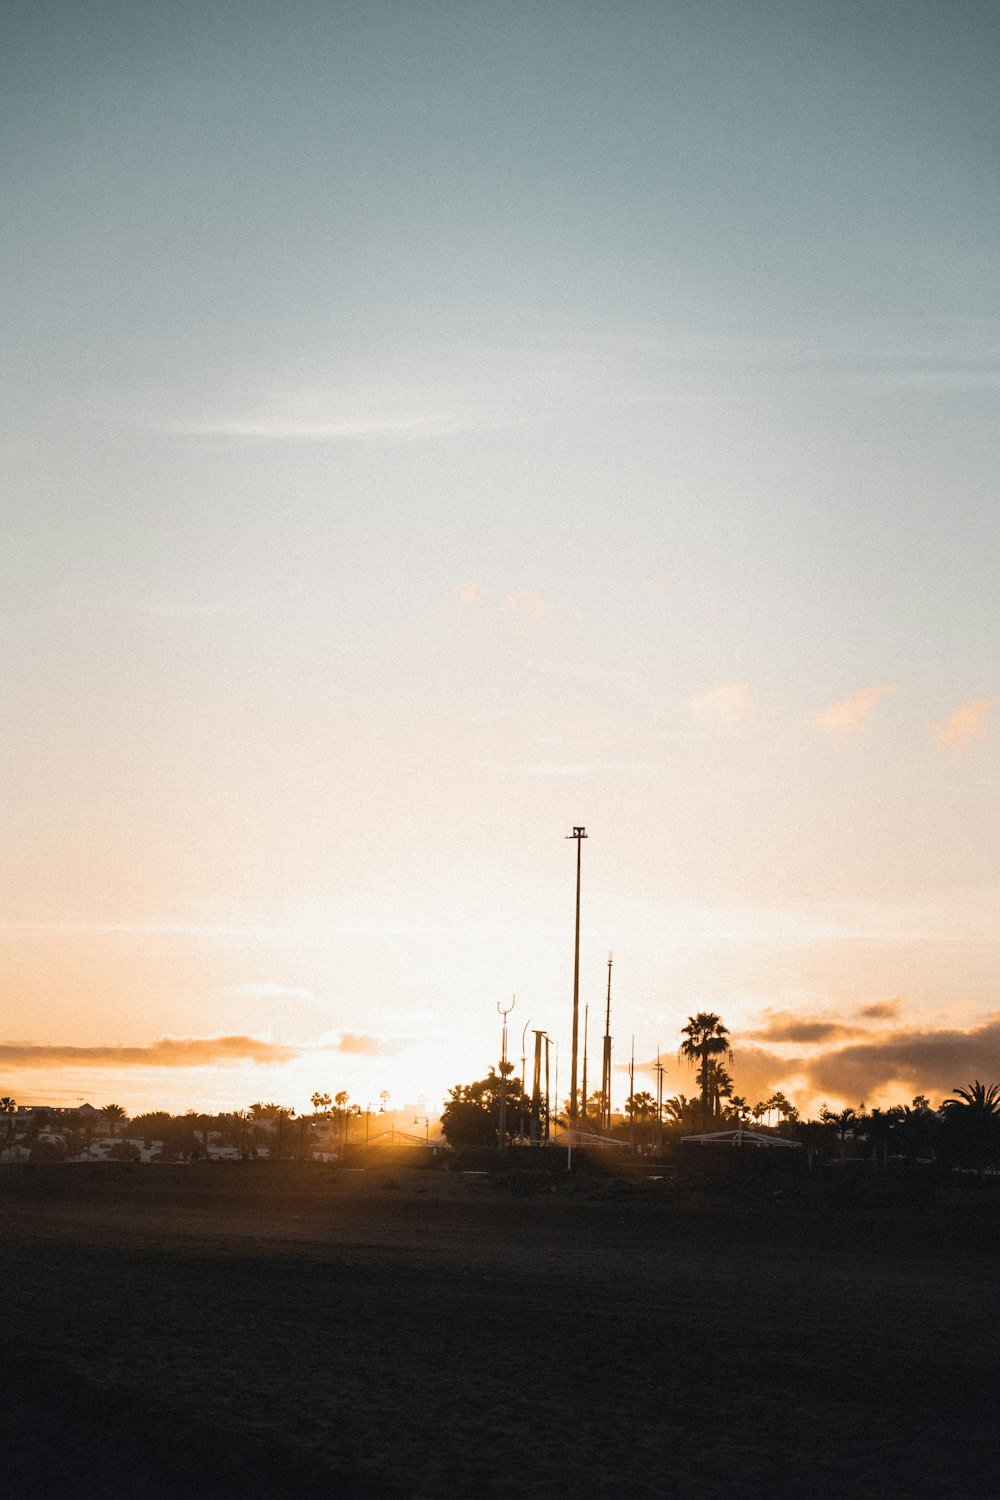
(502,1112)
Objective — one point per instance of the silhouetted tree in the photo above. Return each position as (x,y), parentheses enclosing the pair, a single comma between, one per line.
(150,1126)
(683,1110)
(842,1123)
(737,1109)
(114,1115)
(8,1108)
(472,1110)
(706,1043)
(876,1128)
(972,1125)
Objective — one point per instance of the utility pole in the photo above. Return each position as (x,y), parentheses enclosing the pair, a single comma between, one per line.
(502,1114)
(631,1102)
(579,834)
(548,1105)
(524,1059)
(659,1070)
(583,1091)
(536,1086)
(606,1068)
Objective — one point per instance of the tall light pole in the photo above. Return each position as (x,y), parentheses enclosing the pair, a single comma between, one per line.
(502,1113)
(631,1101)
(583,1089)
(536,1087)
(606,1067)
(659,1070)
(579,834)
(524,1062)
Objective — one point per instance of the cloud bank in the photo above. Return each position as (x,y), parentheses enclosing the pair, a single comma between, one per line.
(169,1052)
(839,1060)
(925,1061)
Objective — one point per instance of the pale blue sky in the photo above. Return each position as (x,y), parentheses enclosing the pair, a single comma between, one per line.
(414,415)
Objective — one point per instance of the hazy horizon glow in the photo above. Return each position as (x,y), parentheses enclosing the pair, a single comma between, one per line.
(428,428)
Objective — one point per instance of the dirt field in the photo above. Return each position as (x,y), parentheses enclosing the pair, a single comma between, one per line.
(217,1332)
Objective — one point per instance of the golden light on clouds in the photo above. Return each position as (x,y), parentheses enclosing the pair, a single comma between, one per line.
(336,618)
(847,716)
(169,1052)
(970,722)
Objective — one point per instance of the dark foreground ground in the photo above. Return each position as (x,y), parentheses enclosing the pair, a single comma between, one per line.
(224,1332)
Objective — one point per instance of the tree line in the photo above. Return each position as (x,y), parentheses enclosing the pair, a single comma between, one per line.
(964,1131)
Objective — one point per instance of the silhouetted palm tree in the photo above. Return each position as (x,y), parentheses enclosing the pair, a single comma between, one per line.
(8,1109)
(115,1115)
(682,1109)
(706,1043)
(877,1128)
(843,1121)
(972,1121)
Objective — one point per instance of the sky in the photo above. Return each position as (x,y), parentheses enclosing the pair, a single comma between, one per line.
(428,427)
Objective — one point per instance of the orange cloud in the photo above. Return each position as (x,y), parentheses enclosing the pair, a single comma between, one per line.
(967,723)
(925,1061)
(882,1010)
(364,1046)
(849,715)
(170,1052)
(726,703)
(780,1026)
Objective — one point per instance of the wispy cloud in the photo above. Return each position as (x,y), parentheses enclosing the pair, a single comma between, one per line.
(852,712)
(590,768)
(970,722)
(365,1046)
(170,1052)
(726,703)
(932,380)
(269,991)
(357,428)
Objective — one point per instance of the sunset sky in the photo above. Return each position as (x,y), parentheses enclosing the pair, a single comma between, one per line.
(429,426)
